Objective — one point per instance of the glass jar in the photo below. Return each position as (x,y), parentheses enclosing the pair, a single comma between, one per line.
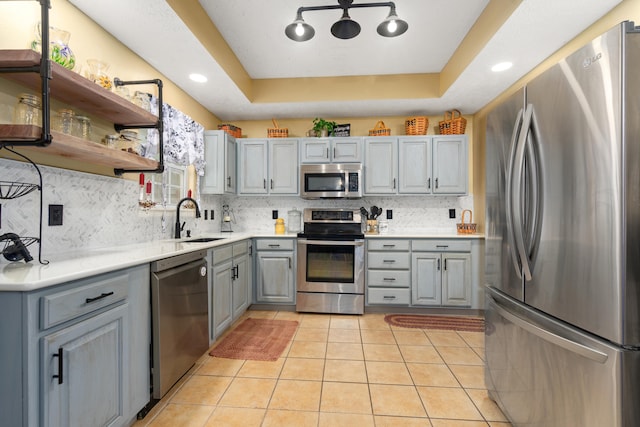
(28,110)
(110,140)
(83,128)
(64,121)
(98,73)
(129,141)
(295,218)
(280,226)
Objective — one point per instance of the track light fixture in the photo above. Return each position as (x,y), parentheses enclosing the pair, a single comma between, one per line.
(345,27)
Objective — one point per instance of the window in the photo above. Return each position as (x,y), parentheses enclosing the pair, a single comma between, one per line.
(172,184)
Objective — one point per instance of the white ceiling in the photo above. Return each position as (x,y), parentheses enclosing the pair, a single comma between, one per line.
(254,29)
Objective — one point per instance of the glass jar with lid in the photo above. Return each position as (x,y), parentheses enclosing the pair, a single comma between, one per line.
(28,110)
(83,127)
(64,121)
(295,221)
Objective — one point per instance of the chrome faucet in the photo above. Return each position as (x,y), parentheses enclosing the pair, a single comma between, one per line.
(178,226)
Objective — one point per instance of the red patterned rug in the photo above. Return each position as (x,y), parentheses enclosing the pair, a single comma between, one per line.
(452,323)
(256,339)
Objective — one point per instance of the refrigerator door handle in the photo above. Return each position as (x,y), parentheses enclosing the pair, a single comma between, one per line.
(517,128)
(574,347)
(516,188)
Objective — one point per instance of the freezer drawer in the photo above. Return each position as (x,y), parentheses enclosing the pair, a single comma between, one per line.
(543,373)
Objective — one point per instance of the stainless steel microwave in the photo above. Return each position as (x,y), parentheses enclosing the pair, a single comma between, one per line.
(331,181)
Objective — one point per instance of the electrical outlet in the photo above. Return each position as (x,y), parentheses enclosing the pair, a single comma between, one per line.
(55,214)
(452,213)
(274,214)
(389,214)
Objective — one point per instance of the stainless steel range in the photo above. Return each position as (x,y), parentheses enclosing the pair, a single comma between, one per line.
(331,262)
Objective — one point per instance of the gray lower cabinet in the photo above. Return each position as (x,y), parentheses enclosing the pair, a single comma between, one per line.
(230,285)
(423,272)
(76,353)
(275,271)
(388,272)
(441,273)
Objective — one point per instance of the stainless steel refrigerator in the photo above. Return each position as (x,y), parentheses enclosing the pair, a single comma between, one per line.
(563,241)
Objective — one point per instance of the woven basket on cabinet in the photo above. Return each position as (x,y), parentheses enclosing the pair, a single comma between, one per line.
(453,124)
(380,130)
(277,132)
(416,125)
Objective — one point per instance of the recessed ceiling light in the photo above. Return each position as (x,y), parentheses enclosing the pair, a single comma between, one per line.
(502,66)
(197,78)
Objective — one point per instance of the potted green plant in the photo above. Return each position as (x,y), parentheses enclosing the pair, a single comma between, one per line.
(322,127)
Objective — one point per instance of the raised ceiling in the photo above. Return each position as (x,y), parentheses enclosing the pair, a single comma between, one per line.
(255,72)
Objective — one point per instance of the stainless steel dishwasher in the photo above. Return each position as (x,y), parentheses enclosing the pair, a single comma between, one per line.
(179,317)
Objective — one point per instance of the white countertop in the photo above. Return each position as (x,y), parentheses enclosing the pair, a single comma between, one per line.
(68,266)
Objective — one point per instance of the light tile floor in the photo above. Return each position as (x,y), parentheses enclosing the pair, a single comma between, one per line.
(339,370)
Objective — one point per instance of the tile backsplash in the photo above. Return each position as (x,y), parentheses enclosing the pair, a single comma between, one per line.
(101,211)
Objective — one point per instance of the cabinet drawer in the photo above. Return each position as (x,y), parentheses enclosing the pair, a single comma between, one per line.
(393,296)
(441,245)
(240,248)
(388,260)
(387,245)
(275,244)
(388,278)
(67,305)
(222,254)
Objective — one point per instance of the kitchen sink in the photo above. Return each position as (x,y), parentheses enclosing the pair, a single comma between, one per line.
(203,240)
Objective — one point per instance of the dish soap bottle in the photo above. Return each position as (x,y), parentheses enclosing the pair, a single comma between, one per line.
(280,226)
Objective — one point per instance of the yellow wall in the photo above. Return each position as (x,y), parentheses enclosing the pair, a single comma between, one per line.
(627,10)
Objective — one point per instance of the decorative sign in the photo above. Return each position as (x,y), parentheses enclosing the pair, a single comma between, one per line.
(342,130)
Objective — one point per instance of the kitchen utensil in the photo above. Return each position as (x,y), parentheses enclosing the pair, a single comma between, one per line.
(364,212)
(373,211)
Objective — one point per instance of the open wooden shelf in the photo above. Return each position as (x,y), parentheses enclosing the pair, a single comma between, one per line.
(72,147)
(73,89)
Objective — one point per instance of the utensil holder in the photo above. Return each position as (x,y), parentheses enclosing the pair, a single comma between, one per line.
(372,227)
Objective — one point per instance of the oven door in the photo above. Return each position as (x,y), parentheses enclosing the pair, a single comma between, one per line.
(331,266)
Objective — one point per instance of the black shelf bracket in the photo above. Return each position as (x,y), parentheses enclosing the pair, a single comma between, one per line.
(159,125)
(45,74)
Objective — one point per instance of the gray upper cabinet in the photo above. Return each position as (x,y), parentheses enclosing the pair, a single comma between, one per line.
(268,166)
(381,165)
(450,165)
(220,153)
(332,150)
(416,165)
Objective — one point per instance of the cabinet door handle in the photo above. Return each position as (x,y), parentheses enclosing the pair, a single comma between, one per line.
(264,183)
(438,265)
(274,245)
(102,295)
(389,260)
(272,184)
(229,181)
(389,279)
(436,182)
(59,376)
(334,152)
(388,297)
(442,246)
(429,184)
(327,152)
(445,264)
(236,272)
(289,258)
(394,183)
(388,246)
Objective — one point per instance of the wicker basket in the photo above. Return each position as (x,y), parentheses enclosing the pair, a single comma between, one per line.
(380,130)
(231,130)
(466,227)
(453,124)
(416,125)
(276,131)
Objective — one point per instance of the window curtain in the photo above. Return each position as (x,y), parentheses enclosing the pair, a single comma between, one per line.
(183,138)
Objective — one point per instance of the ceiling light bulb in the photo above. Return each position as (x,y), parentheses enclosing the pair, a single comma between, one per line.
(392,27)
(502,66)
(299,29)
